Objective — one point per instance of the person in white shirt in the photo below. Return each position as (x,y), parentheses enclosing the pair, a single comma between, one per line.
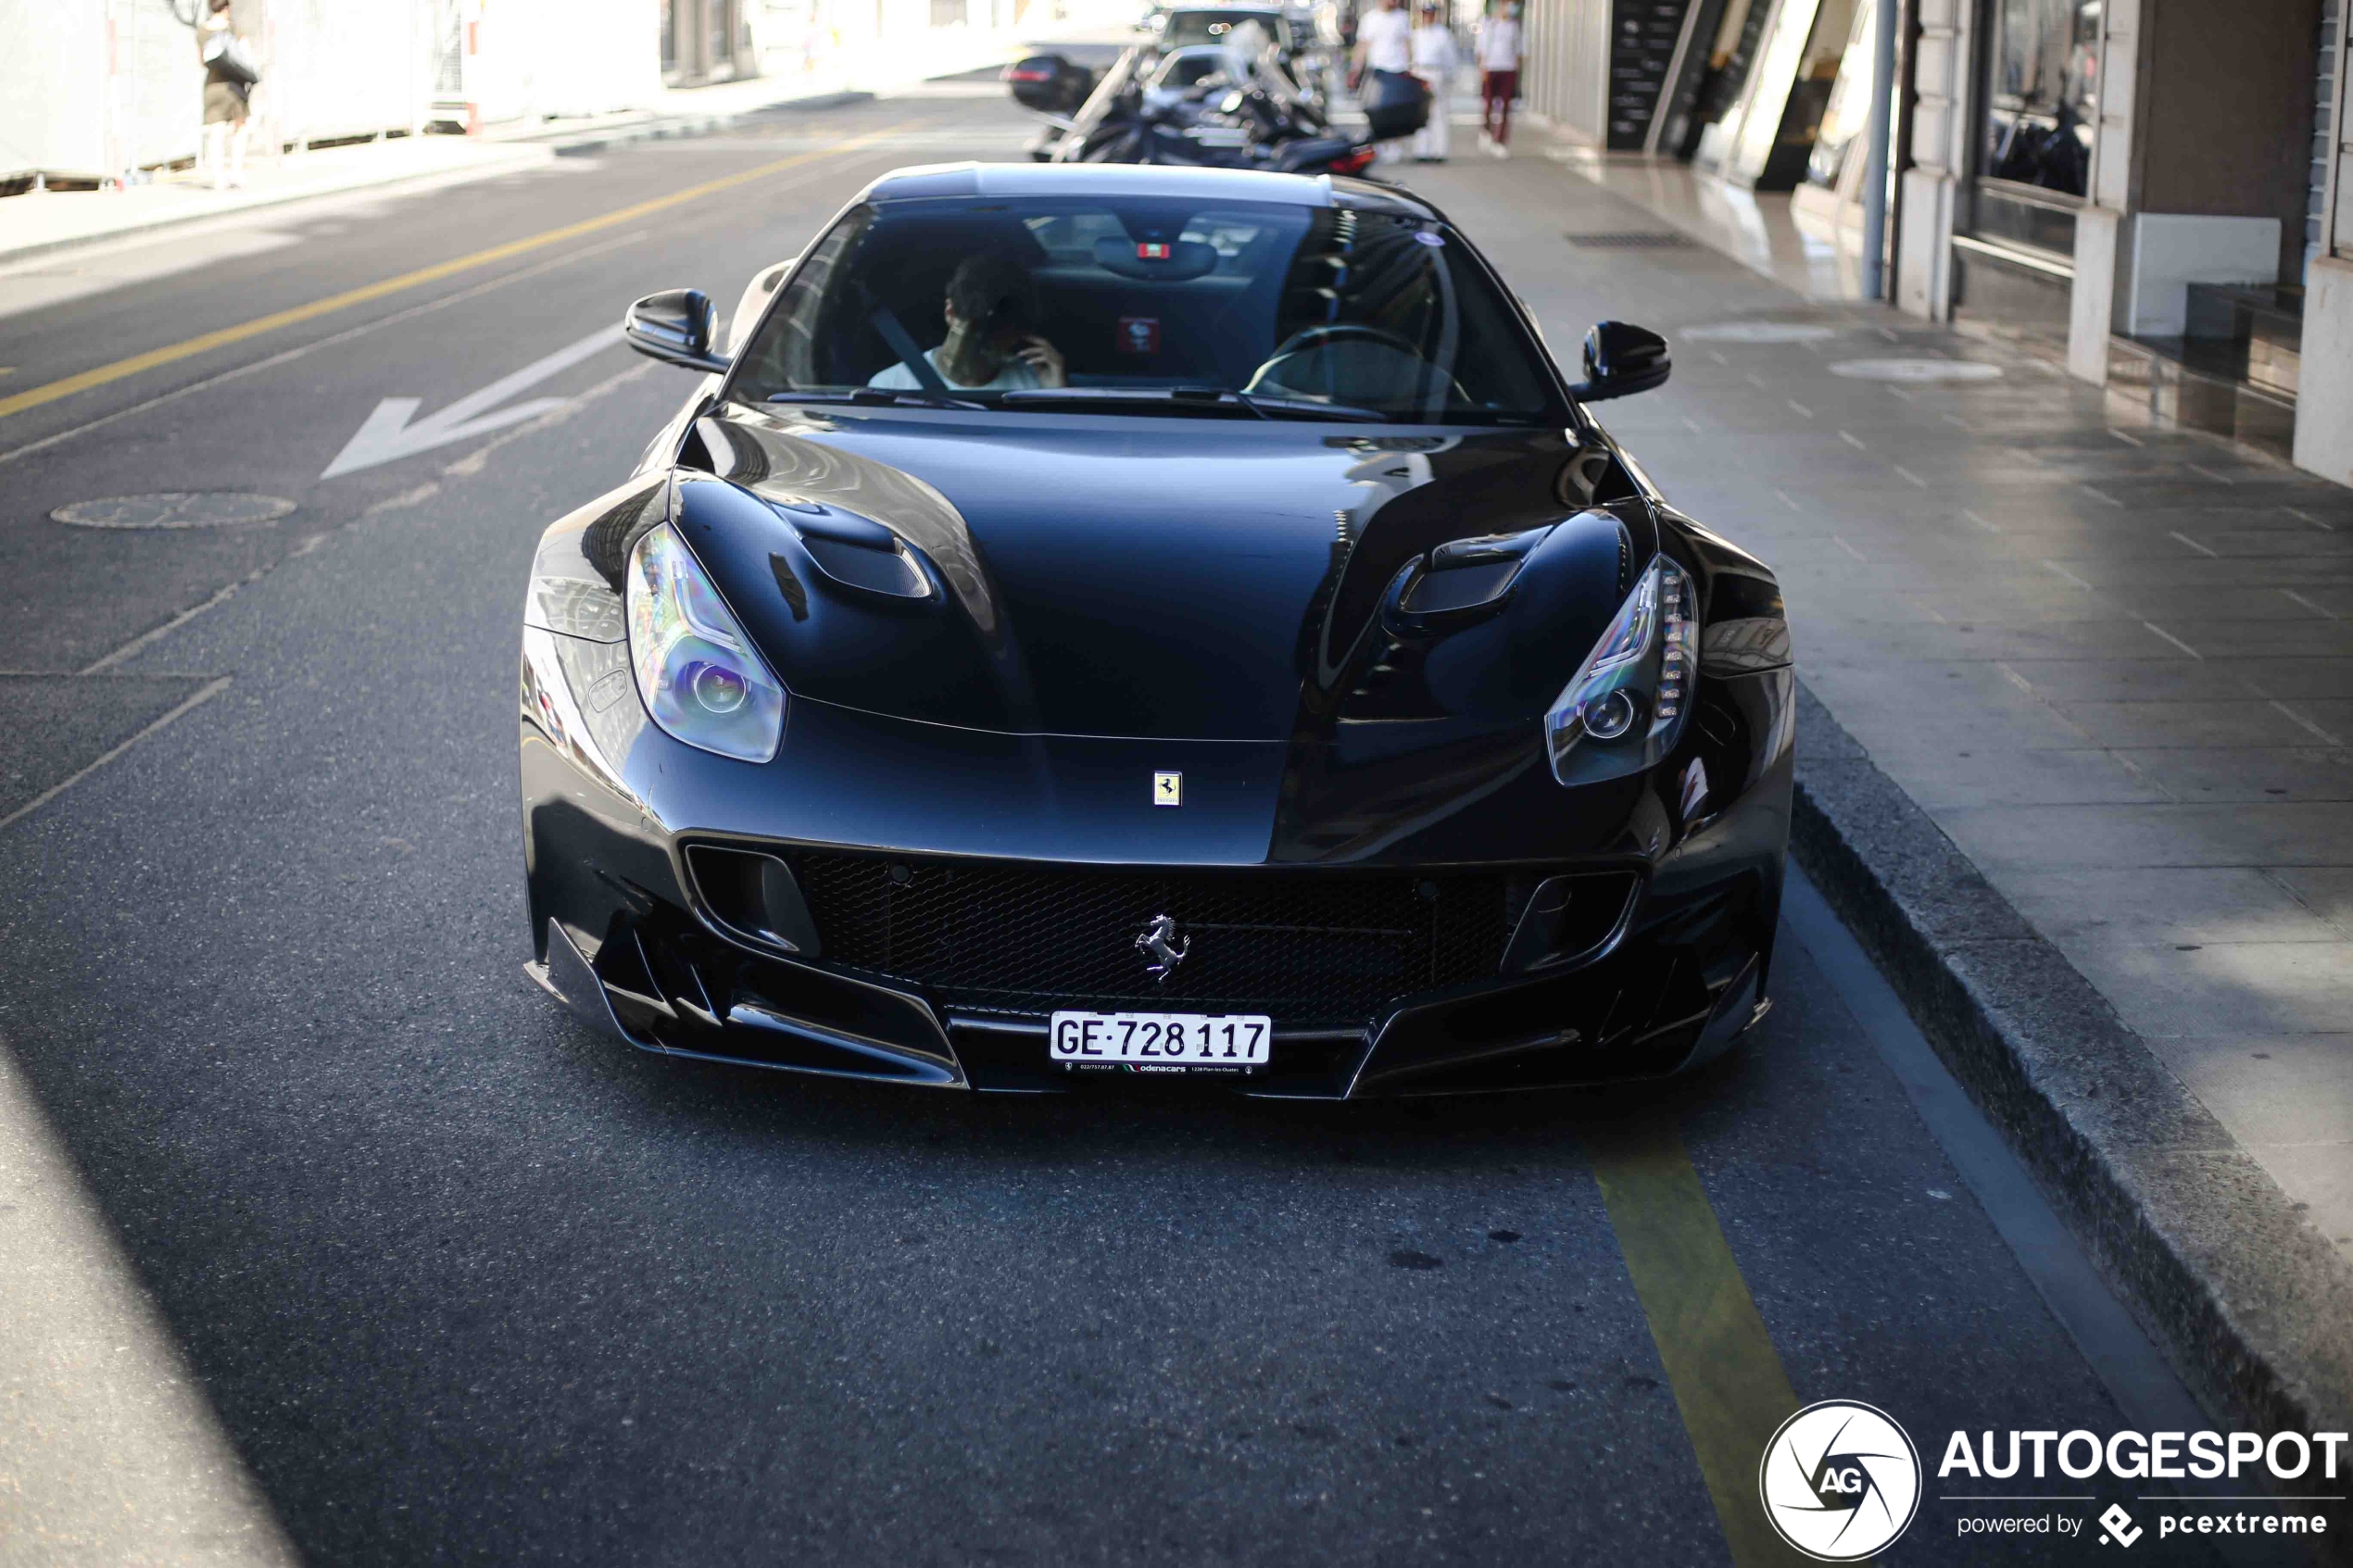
(1434,62)
(1499,50)
(990,310)
(1384,46)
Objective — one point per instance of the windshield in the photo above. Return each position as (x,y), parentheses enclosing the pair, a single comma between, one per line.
(1150,306)
(1211,27)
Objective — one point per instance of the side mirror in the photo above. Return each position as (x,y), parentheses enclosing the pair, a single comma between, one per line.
(1622,359)
(676,327)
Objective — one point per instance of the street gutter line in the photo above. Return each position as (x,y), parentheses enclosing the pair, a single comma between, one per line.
(218,685)
(33,397)
(2149,1395)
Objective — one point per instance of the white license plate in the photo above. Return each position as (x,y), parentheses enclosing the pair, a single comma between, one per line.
(1160,1041)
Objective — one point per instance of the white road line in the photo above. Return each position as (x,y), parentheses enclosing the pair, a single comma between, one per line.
(2304,722)
(2195,545)
(2320,610)
(157,633)
(2174,640)
(211,690)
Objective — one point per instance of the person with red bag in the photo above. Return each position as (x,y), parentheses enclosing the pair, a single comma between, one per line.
(1499,52)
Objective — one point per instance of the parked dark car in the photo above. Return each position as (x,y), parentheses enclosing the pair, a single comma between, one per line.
(1120,622)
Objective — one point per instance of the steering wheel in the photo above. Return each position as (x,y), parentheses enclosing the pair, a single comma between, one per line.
(1311,338)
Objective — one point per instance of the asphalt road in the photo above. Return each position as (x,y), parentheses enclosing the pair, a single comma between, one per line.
(467,1283)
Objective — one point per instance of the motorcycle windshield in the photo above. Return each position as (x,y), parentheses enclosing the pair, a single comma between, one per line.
(1151,305)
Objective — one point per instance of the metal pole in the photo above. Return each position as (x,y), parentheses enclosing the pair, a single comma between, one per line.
(1883,26)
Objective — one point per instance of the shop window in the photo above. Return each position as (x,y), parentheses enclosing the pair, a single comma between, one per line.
(2041,96)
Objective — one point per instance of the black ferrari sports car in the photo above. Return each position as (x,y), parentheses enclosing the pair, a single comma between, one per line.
(1096,620)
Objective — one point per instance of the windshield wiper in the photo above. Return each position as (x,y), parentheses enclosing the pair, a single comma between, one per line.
(879,397)
(1195,397)
(1307,407)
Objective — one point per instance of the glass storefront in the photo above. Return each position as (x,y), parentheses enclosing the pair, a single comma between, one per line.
(2042,92)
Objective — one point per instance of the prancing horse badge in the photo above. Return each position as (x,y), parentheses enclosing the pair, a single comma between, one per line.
(1168,789)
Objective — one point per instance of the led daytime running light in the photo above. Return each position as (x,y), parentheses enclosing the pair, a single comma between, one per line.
(1625,708)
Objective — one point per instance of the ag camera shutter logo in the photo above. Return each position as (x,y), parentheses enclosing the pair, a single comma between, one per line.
(1840,1480)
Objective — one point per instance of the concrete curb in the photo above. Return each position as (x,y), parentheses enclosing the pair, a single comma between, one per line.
(580,143)
(2250,1302)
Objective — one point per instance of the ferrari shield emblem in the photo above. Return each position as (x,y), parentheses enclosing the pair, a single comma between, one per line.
(1168,789)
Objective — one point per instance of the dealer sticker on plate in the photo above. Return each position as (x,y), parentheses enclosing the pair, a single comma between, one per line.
(1160,1041)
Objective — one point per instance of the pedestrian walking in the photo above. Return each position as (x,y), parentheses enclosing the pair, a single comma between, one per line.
(1435,63)
(1384,47)
(1498,49)
(229,77)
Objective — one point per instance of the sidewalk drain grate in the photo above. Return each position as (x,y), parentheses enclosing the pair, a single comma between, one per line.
(176,508)
(1636,240)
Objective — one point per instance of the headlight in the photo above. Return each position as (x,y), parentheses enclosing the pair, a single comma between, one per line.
(702,681)
(1627,706)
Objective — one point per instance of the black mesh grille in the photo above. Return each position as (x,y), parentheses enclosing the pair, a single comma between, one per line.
(1307,948)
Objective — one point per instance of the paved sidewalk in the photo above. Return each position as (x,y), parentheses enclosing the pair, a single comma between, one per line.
(2114,663)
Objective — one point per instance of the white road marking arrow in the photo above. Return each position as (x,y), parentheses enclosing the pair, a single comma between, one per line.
(387,433)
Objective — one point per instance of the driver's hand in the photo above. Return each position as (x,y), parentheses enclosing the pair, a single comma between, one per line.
(1043,358)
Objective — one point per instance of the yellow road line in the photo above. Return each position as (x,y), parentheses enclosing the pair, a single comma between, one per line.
(1727,1376)
(34,397)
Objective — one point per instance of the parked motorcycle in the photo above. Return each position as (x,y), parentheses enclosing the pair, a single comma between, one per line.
(1248,115)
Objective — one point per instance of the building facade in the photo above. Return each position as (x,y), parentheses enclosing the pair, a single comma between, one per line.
(2152,191)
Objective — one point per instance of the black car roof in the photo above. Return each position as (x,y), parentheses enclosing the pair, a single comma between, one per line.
(1142,180)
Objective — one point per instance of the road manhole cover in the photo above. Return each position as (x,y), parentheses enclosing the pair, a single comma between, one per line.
(1760,332)
(176,508)
(1914,370)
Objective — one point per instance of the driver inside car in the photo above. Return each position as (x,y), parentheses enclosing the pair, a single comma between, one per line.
(991,309)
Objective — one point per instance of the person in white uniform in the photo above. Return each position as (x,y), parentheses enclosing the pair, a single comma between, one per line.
(1435,63)
(1384,43)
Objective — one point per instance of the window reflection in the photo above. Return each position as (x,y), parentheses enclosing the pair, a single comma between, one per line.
(2042,92)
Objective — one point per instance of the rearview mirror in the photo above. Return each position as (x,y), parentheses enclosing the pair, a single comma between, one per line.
(1621,359)
(676,327)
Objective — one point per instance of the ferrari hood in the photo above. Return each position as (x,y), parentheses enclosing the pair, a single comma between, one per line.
(1102,575)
